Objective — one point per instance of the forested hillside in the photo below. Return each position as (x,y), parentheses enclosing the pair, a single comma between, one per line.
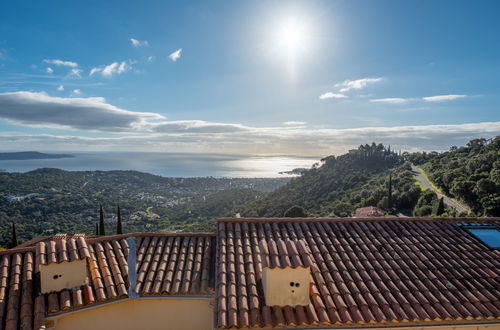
(48,201)
(470,173)
(339,185)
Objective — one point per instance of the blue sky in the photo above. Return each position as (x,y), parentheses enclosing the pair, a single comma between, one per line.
(250,77)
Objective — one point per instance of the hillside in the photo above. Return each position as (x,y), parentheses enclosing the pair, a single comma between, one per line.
(339,185)
(471,173)
(25,155)
(48,201)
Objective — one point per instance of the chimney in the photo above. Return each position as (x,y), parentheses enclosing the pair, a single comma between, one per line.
(286,286)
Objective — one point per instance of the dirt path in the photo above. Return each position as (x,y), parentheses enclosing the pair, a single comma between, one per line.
(427,185)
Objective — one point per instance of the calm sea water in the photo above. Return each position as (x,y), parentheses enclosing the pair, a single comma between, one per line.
(169,164)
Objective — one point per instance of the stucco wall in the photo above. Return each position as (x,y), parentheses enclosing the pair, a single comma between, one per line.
(142,313)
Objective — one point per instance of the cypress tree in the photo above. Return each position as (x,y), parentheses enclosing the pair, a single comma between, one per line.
(102,231)
(14,241)
(97,228)
(119,229)
(389,193)
(440,207)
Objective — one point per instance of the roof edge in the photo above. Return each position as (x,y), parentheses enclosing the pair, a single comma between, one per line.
(318,219)
(94,239)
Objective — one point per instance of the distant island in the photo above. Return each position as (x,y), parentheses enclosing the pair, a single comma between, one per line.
(25,155)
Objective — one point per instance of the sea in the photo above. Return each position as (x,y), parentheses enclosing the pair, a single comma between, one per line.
(170,164)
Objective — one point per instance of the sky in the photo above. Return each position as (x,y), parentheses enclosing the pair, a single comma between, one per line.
(247,77)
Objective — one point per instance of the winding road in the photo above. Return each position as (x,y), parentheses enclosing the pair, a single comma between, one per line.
(448,201)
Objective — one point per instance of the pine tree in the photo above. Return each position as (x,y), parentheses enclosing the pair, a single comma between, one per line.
(389,193)
(14,241)
(102,231)
(119,229)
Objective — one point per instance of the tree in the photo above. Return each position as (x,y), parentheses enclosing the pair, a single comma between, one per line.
(389,193)
(119,229)
(102,231)
(295,212)
(440,207)
(14,241)
(97,228)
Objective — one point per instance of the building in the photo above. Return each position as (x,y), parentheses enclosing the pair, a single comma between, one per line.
(357,273)
(369,211)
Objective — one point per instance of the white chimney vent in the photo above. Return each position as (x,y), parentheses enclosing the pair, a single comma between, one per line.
(62,263)
(286,286)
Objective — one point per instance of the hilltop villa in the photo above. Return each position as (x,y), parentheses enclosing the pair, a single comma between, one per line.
(322,273)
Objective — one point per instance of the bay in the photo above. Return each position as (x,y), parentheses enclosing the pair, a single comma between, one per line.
(170,164)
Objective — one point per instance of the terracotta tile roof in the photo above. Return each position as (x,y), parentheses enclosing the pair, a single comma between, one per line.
(364,272)
(369,211)
(165,264)
(61,249)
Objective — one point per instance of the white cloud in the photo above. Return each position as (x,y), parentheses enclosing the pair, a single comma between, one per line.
(75,73)
(151,58)
(114,68)
(91,113)
(439,98)
(238,139)
(330,95)
(175,55)
(142,131)
(294,123)
(60,88)
(392,100)
(76,92)
(137,43)
(62,63)
(348,85)
(49,70)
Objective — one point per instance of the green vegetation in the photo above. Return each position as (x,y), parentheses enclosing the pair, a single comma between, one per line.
(102,229)
(295,212)
(14,242)
(119,229)
(470,174)
(49,201)
(341,184)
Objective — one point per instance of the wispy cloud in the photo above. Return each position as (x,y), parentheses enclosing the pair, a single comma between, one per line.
(49,70)
(294,123)
(330,95)
(175,55)
(113,69)
(392,100)
(138,43)
(439,98)
(75,73)
(151,58)
(76,92)
(348,85)
(60,88)
(142,131)
(61,63)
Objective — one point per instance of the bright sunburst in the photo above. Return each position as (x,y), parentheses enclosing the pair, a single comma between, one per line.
(292,36)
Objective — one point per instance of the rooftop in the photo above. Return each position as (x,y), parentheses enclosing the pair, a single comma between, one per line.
(364,272)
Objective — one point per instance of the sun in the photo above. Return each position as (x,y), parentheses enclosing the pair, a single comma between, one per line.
(292,36)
